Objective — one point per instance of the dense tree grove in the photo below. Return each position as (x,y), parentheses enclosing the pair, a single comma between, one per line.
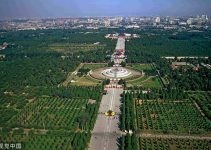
(37,71)
(186,77)
(33,42)
(106,81)
(169,43)
(83,71)
(191,80)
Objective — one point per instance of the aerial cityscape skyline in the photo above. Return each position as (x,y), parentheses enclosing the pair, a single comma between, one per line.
(105,74)
(63,8)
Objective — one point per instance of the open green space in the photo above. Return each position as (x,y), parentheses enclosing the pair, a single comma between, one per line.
(142,67)
(146,82)
(82,78)
(72,47)
(148,79)
(85,80)
(151,82)
(138,81)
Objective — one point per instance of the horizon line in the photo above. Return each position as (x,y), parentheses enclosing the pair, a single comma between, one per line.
(74,17)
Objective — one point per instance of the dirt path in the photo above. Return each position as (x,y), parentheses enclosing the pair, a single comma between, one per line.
(71,75)
(150,77)
(199,109)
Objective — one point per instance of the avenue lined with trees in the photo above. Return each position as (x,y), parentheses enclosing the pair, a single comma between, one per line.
(48,115)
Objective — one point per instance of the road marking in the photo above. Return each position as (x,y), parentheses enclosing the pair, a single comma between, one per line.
(107,123)
(110,121)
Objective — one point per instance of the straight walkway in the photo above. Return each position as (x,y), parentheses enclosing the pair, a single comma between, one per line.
(106,130)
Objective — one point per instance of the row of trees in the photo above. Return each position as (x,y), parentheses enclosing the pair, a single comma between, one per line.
(172,116)
(204,101)
(171,143)
(128,142)
(127,117)
(164,94)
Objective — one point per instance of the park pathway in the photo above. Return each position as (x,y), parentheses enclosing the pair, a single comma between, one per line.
(106,131)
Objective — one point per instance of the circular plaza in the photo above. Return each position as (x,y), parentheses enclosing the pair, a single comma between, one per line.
(114,73)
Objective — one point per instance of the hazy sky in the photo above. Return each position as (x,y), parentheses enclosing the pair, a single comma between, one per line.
(75,8)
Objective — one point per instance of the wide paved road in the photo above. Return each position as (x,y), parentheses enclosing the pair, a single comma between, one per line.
(106,130)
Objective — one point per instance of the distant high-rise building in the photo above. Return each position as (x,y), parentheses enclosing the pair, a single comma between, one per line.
(120,19)
(172,22)
(90,20)
(167,19)
(157,20)
(190,21)
(132,19)
(107,23)
(204,18)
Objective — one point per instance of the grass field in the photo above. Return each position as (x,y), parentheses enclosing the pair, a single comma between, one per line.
(138,81)
(146,82)
(149,78)
(85,81)
(73,47)
(151,82)
(142,67)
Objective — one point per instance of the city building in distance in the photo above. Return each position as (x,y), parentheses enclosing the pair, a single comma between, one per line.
(105,75)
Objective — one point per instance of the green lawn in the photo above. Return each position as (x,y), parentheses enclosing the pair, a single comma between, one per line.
(85,81)
(142,67)
(72,47)
(153,82)
(146,82)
